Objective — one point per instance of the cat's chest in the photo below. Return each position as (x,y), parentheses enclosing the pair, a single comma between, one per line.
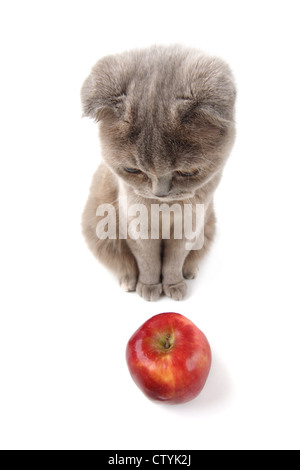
(146,218)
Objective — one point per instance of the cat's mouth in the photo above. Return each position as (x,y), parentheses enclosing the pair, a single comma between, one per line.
(167,198)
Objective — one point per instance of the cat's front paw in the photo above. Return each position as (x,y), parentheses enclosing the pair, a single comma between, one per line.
(149,292)
(176,291)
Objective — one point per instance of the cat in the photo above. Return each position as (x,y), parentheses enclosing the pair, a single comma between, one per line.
(166,122)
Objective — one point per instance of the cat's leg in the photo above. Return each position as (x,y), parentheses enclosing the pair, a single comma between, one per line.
(174,256)
(116,256)
(148,257)
(114,253)
(190,268)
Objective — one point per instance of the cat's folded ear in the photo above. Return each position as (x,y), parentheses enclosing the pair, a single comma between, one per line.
(197,114)
(212,95)
(104,90)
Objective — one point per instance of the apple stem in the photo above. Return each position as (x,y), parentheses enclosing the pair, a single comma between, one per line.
(167,343)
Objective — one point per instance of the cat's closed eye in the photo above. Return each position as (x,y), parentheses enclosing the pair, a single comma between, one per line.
(187,173)
(133,170)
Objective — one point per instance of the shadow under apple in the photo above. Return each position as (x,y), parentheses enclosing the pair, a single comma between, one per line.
(217,390)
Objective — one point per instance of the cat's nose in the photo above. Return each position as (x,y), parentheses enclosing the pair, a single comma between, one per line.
(161,187)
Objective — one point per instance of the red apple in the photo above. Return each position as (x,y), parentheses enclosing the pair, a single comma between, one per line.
(169,358)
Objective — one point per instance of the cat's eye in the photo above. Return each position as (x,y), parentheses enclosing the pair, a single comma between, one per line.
(188,173)
(132,170)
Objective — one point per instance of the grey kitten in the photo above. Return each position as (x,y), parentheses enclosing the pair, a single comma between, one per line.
(166,119)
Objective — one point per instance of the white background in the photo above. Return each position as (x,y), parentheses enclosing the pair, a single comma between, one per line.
(64,321)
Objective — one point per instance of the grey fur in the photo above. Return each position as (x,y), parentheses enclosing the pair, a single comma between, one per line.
(167,112)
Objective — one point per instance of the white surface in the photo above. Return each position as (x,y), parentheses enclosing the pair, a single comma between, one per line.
(64,321)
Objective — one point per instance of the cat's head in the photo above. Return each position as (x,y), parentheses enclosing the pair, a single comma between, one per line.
(166,118)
